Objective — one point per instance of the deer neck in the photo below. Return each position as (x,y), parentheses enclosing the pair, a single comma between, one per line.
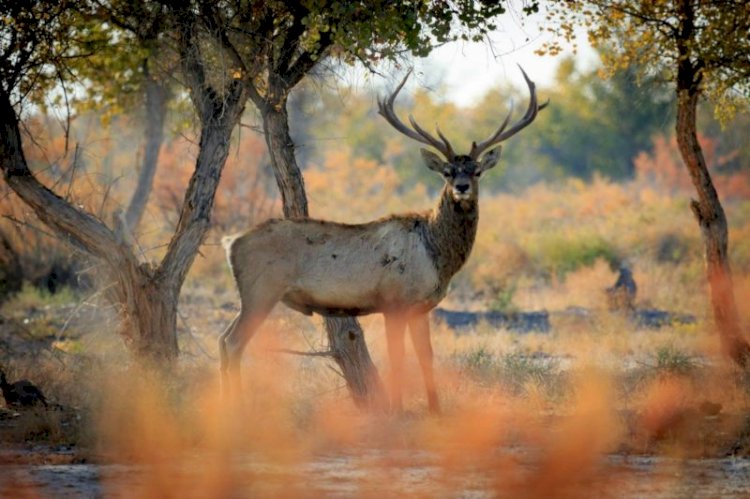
(452,228)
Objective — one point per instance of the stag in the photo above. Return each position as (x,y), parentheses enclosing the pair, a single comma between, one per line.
(400,265)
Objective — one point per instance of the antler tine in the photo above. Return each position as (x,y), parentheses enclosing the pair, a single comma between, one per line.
(477,149)
(385,109)
(445,147)
(501,134)
(445,141)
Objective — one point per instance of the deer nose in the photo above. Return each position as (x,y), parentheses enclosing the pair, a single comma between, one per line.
(462,188)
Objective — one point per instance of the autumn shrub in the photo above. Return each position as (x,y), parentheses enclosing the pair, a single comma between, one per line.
(34,255)
(663,168)
(739,247)
(669,359)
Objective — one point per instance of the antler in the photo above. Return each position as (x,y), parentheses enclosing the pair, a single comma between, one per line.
(385,109)
(501,134)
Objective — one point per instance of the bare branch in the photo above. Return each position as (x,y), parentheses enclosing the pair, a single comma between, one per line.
(329,353)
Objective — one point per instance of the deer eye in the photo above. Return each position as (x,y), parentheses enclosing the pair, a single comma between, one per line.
(478,173)
(447,174)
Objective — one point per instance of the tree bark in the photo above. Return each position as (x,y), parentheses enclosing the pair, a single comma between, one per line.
(349,349)
(345,336)
(713,225)
(711,219)
(11,275)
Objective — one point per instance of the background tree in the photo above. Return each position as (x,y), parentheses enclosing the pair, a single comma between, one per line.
(37,42)
(701,47)
(619,115)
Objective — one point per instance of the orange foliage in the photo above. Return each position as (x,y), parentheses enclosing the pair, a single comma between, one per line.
(352,190)
(664,169)
(69,169)
(244,195)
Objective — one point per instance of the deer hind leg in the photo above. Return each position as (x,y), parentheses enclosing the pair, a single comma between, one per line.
(223,355)
(395,326)
(419,327)
(234,339)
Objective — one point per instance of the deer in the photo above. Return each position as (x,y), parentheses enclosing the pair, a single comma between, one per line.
(400,265)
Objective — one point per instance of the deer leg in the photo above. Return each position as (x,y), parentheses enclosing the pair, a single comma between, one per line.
(419,327)
(223,355)
(234,340)
(395,326)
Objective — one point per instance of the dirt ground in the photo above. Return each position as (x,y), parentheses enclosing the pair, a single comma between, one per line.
(55,473)
(685,451)
(39,469)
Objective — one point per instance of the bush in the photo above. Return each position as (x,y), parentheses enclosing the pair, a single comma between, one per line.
(515,371)
(560,254)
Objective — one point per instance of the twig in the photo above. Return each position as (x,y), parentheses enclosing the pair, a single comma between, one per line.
(105,197)
(192,336)
(306,354)
(254,128)
(73,168)
(31,226)
(78,307)
(338,373)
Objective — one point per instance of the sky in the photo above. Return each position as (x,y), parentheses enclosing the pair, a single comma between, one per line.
(469,70)
(462,72)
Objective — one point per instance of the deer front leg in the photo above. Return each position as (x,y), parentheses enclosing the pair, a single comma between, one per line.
(419,327)
(395,326)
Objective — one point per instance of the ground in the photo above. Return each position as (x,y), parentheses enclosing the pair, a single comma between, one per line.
(578,409)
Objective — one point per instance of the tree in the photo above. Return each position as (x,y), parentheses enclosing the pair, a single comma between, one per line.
(37,41)
(618,115)
(128,67)
(701,47)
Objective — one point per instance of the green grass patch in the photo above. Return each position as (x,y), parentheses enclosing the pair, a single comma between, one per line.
(558,254)
(32,298)
(516,372)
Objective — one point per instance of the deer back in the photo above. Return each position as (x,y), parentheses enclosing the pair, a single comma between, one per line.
(333,268)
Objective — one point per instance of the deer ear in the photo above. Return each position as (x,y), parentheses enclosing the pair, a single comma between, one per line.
(490,159)
(433,161)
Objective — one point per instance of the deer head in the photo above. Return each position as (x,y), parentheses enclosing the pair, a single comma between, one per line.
(460,171)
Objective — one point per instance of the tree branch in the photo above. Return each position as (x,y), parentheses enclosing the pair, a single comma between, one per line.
(329,353)
(82,228)
(619,7)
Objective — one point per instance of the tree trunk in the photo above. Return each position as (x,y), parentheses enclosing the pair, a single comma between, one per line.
(148,314)
(347,345)
(11,275)
(345,335)
(157,97)
(713,224)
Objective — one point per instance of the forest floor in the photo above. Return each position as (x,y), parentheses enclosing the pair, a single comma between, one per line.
(521,424)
